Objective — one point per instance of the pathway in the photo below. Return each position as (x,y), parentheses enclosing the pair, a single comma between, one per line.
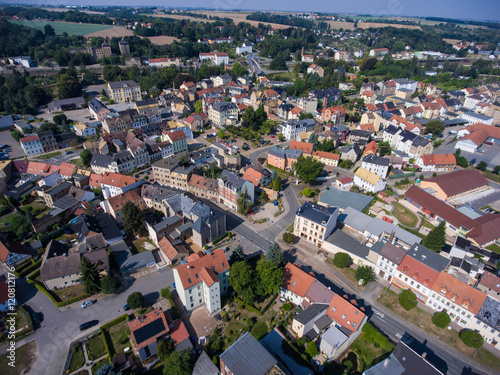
(88,363)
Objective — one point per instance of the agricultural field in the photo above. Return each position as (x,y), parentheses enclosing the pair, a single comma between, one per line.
(78,29)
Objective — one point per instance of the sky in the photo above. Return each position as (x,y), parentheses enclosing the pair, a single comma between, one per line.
(462,9)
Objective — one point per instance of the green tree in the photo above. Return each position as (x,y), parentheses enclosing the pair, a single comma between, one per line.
(132,220)
(248,117)
(221,134)
(58,119)
(91,277)
(365,273)
(435,240)
(496,170)
(260,115)
(86,157)
(135,300)
(166,292)
(471,338)
(179,363)
(307,192)
(288,237)
(238,70)
(270,278)
(68,86)
(238,255)
(48,30)
(198,106)
(407,299)
(278,63)
(434,127)
(312,138)
(275,255)
(281,137)
(108,285)
(16,135)
(311,349)
(276,184)
(441,319)
(165,348)
(244,202)
(482,165)
(275,174)
(342,260)
(242,280)
(308,169)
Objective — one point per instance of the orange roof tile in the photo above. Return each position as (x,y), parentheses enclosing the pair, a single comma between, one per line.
(303,146)
(253,176)
(459,292)
(367,93)
(95,180)
(371,148)
(67,169)
(418,271)
(116,179)
(296,280)
(176,136)
(117,202)
(209,277)
(367,127)
(189,273)
(31,138)
(439,159)
(179,332)
(344,313)
(326,155)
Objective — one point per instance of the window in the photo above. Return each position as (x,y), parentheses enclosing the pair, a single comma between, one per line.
(333,309)
(343,316)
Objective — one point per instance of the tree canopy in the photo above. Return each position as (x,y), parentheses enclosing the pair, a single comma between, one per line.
(244,202)
(238,255)
(135,300)
(86,157)
(434,127)
(275,255)
(179,363)
(441,319)
(132,220)
(435,240)
(308,169)
(91,277)
(342,260)
(407,299)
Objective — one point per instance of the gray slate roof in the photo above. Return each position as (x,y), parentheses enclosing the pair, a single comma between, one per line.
(205,366)
(376,160)
(348,243)
(316,213)
(311,313)
(247,356)
(344,199)
(428,257)
(334,336)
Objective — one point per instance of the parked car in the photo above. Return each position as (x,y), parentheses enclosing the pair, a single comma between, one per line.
(472,161)
(69,152)
(88,324)
(4,146)
(87,304)
(126,308)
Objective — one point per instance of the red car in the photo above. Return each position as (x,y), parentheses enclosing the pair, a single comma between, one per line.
(251,212)
(273,136)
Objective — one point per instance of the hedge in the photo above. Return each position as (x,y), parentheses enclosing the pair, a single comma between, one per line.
(266,307)
(108,326)
(29,269)
(220,238)
(51,297)
(27,316)
(45,239)
(372,335)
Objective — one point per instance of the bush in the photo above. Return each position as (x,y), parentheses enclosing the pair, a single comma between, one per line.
(135,300)
(259,330)
(472,339)
(307,192)
(441,319)
(288,237)
(220,238)
(287,306)
(372,335)
(407,299)
(342,260)
(166,293)
(311,349)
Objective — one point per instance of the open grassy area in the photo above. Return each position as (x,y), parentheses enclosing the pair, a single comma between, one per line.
(404,215)
(347,272)
(21,321)
(77,360)
(423,320)
(118,338)
(495,248)
(95,347)
(77,162)
(367,352)
(51,155)
(142,244)
(25,357)
(79,29)
(70,292)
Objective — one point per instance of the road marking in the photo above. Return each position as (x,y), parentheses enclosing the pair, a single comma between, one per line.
(398,335)
(381,315)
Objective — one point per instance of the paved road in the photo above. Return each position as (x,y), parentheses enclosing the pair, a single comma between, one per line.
(59,328)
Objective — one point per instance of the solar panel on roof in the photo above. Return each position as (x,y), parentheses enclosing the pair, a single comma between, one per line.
(149,330)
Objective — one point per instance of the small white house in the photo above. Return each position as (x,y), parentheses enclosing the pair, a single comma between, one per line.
(369,181)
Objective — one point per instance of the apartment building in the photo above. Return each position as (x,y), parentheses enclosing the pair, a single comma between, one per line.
(31,145)
(231,187)
(315,223)
(178,139)
(223,113)
(124,91)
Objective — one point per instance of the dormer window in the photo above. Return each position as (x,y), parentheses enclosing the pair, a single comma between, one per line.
(442,291)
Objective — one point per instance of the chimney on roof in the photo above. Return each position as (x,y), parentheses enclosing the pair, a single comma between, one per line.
(424,354)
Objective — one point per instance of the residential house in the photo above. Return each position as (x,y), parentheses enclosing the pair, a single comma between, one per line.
(388,261)
(216,57)
(31,145)
(244,48)
(369,181)
(56,192)
(489,283)
(419,270)
(204,187)
(65,104)
(328,95)
(223,113)
(315,223)
(221,80)
(231,187)
(295,284)
(379,52)
(305,147)
(345,183)
(117,124)
(376,164)
(173,254)
(59,268)
(473,136)
(114,205)
(436,163)
(122,162)
(178,140)
(290,129)
(203,281)
(113,184)
(316,69)
(458,299)
(351,152)
(124,91)
(84,130)
(146,330)
(257,175)
(13,254)
(327,158)
(48,141)
(335,114)
(276,157)
(303,323)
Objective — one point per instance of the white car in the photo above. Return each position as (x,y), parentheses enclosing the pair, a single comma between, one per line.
(87,304)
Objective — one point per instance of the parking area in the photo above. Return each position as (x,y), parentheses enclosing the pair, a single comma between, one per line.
(16,149)
(83,115)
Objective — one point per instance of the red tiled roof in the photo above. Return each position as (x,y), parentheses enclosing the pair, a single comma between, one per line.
(485,229)
(176,136)
(371,148)
(31,138)
(179,332)
(345,180)
(253,176)
(242,107)
(116,179)
(367,93)
(117,202)
(296,280)
(491,281)
(7,247)
(188,272)
(95,180)
(303,146)
(418,271)
(367,127)
(439,159)
(459,292)
(344,313)
(209,277)
(436,206)
(67,169)
(459,182)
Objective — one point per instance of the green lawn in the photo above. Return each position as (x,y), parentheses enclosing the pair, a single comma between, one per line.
(99,364)
(95,347)
(347,272)
(141,244)
(25,357)
(78,29)
(51,155)
(77,360)
(404,215)
(422,319)
(77,162)
(495,248)
(70,292)
(118,338)
(367,352)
